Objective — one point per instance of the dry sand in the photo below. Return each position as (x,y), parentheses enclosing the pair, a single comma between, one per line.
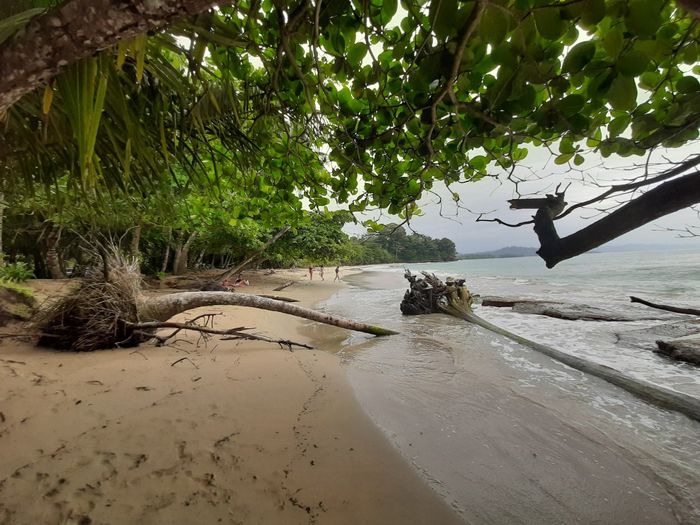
(239,432)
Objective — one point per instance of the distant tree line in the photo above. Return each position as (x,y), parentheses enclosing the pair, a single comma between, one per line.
(54,245)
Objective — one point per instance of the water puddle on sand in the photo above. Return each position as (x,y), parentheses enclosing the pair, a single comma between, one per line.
(506,435)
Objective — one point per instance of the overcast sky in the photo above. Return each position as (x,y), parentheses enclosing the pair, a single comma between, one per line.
(492,195)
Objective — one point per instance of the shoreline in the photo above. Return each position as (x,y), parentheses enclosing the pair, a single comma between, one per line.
(237,432)
(505,433)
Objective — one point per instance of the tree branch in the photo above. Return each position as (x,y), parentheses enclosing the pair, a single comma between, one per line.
(681,168)
(235,332)
(77,29)
(666,198)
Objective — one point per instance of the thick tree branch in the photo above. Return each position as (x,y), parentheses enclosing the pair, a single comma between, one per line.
(666,198)
(681,168)
(78,29)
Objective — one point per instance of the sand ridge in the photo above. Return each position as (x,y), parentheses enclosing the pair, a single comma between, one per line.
(238,432)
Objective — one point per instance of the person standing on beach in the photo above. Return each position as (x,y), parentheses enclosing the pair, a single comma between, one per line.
(311,273)
(337,274)
(320,272)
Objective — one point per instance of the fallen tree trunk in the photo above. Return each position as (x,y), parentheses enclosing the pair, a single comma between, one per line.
(103,311)
(429,295)
(676,309)
(164,307)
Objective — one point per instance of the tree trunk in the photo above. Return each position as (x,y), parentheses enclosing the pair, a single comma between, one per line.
(77,29)
(2,216)
(53,236)
(135,240)
(166,255)
(251,258)
(165,307)
(182,252)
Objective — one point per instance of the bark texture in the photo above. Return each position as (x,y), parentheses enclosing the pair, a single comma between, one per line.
(182,254)
(166,254)
(77,29)
(164,307)
(53,265)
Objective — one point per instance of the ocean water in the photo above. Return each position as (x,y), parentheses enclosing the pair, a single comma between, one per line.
(508,435)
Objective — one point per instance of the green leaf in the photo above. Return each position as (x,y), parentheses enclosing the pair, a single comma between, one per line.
(494,24)
(644,17)
(622,94)
(613,41)
(688,85)
(571,105)
(578,160)
(563,158)
(593,12)
(579,55)
(633,64)
(649,79)
(356,53)
(549,23)
(445,18)
(388,10)
(618,125)
(567,146)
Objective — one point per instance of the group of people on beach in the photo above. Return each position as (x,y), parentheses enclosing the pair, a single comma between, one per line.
(320,272)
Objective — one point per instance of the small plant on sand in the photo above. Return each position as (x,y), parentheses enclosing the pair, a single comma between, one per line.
(16,272)
(22,290)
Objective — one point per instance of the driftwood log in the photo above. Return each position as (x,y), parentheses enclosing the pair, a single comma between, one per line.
(565,311)
(283,286)
(675,309)
(683,349)
(430,295)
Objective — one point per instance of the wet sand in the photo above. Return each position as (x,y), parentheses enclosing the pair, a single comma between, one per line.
(238,432)
(508,435)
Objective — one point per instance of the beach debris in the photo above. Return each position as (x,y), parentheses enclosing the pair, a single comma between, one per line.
(282,287)
(565,311)
(683,349)
(430,295)
(675,309)
(110,310)
(645,338)
(279,298)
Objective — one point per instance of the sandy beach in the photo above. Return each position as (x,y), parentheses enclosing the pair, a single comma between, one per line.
(237,432)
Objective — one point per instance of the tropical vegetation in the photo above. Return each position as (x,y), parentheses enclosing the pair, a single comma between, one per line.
(198,132)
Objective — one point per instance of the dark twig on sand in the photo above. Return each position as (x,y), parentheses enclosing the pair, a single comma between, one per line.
(233,333)
(184,359)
